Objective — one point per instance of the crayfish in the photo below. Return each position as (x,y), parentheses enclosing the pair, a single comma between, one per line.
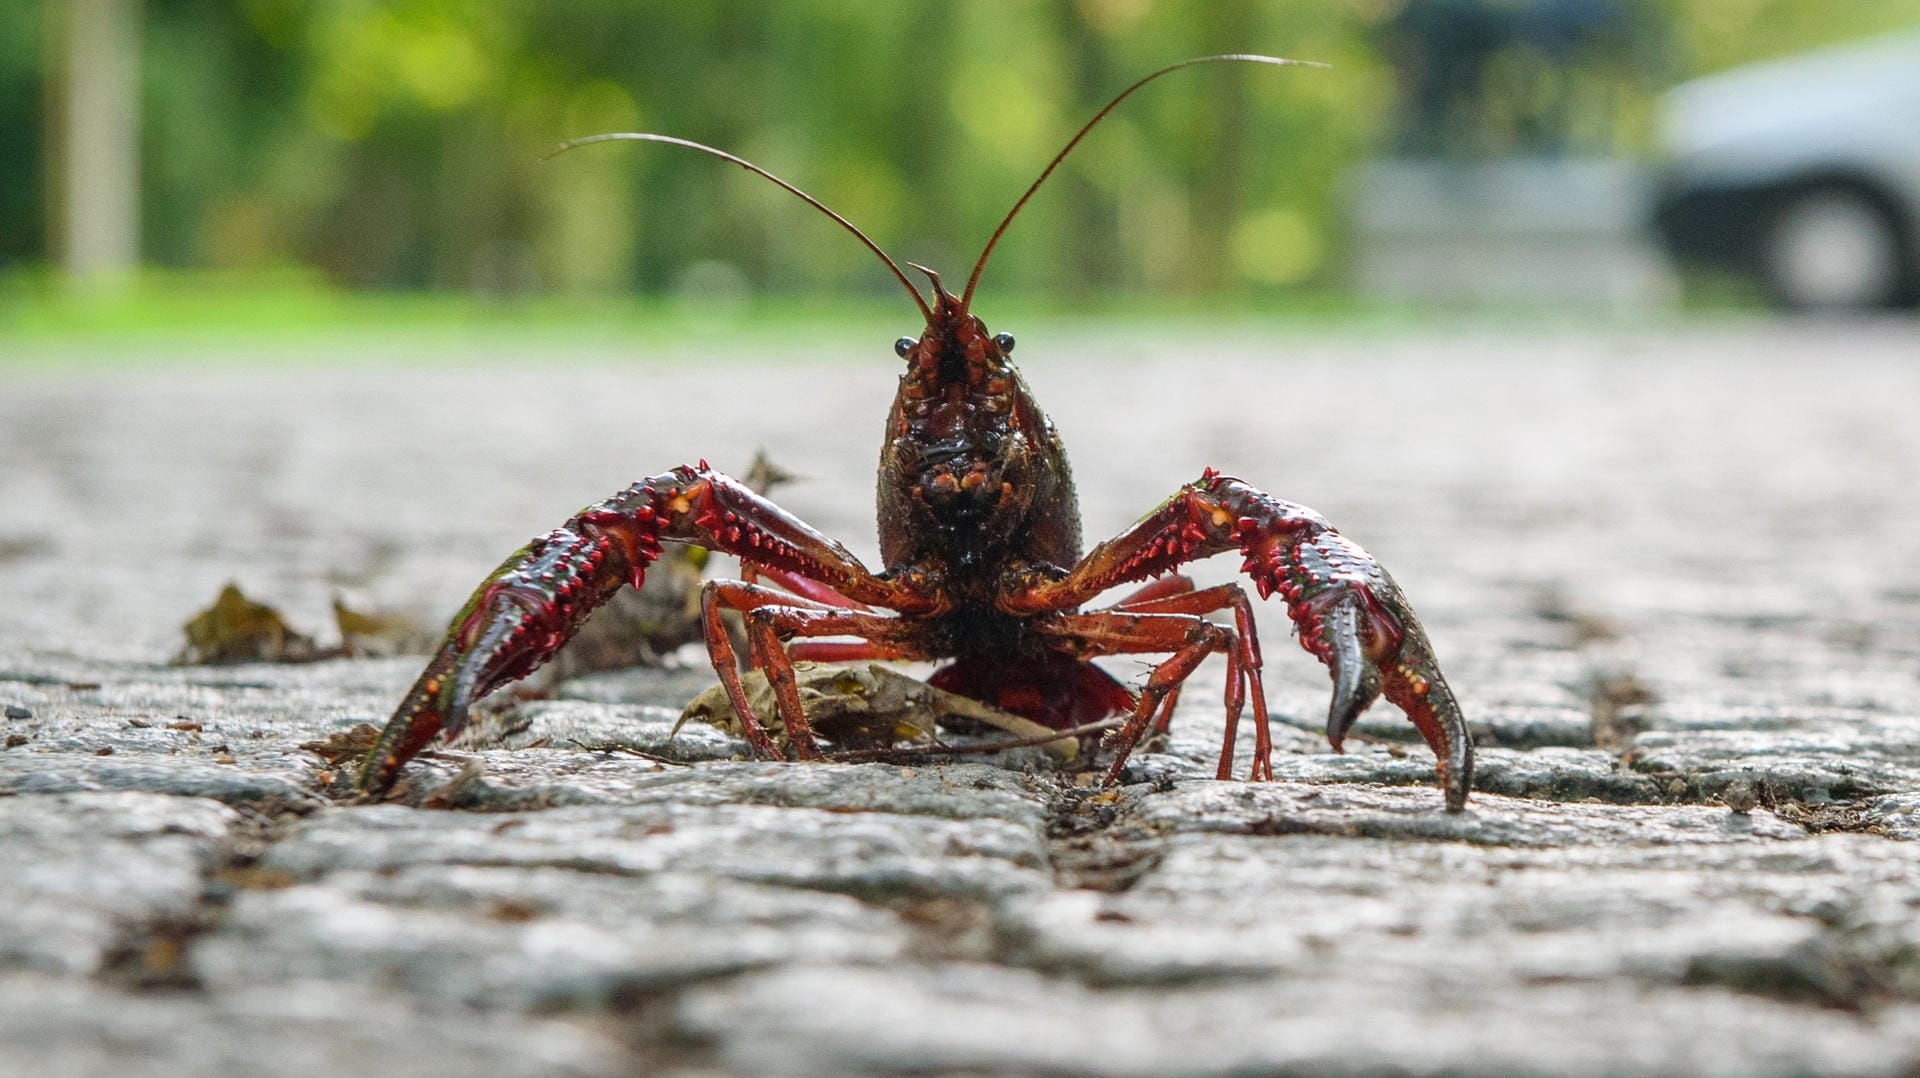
(980,538)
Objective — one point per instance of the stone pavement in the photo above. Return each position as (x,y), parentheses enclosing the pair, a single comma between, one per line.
(1673,573)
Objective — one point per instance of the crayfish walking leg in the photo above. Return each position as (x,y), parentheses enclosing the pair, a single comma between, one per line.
(1190,638)
(1349,613)
(772,617)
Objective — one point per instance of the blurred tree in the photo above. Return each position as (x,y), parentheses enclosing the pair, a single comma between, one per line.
(1498,77)
(23,136)
(230,176)
(95,50)
(1721,34)
(397,143)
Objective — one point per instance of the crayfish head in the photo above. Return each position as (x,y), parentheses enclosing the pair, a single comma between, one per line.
(959,452)
(955,349)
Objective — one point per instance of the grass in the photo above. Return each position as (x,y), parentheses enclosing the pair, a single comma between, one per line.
(293,317)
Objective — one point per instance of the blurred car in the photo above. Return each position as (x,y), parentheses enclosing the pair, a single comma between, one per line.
(1802,172)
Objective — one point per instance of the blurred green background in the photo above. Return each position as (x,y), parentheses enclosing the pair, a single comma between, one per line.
(312,161)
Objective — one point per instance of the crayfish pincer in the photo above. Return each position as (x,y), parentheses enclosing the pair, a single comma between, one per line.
(980,536)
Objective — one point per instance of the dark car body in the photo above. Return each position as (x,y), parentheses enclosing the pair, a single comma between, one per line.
(1803,172)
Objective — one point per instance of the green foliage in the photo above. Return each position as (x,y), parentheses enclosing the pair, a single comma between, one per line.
(20,133)
(397,143)
(1723,33)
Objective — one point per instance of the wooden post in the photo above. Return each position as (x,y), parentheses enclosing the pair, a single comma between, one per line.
(97,170)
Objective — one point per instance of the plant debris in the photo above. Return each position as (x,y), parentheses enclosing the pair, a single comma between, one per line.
(378,635)
(345,745)
(235,629)
(870,706)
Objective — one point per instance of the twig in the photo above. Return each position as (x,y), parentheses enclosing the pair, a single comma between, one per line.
(956,750)
(614,747)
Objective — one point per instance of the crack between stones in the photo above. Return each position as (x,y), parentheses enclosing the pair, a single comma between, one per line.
(155,954)
(1615,693)
(1083,848)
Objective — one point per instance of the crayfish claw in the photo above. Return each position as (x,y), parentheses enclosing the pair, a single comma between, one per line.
(1416,686)
(1356,682)
(1371,632)
(435,703)
(1352,617)
(1373,646)
(518,617)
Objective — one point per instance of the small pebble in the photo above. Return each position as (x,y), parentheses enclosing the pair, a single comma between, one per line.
(14,711)
(1740,797)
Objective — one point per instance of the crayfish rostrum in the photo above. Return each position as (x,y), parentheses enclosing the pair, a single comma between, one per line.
(980,536)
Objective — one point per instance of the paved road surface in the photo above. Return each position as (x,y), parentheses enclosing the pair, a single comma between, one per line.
(1665,569)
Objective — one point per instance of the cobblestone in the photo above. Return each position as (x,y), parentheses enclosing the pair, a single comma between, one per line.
(1674,576)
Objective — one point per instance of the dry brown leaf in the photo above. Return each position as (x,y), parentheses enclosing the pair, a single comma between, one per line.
(346,745)
(867,705)
(235,629)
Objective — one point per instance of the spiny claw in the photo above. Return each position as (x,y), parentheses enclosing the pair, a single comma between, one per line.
(1372,644)
(438,701)
(514,622)
(1356,684)
(1352,617)
(1416,686)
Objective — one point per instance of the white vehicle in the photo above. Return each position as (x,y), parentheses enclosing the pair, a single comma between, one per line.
(1804,172)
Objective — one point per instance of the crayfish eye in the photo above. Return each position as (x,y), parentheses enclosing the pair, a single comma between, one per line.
(1004,341)
(904,345)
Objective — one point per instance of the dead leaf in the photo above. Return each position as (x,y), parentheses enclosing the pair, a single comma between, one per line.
(235,629)
(867,705)
(377,635)
(345,745)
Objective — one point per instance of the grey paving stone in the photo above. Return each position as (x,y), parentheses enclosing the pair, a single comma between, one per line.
(538,939)
(63,1028)
(812,1020)
(84,872)
(1822,765)
(1817,919)
(1672,572)
(843,850)
(1399,813)
(1897,815)
(66,772)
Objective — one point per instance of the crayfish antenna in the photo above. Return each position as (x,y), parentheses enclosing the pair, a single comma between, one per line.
(966,298)
(637,136)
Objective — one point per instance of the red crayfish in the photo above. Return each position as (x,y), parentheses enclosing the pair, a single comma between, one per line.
(980,536)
